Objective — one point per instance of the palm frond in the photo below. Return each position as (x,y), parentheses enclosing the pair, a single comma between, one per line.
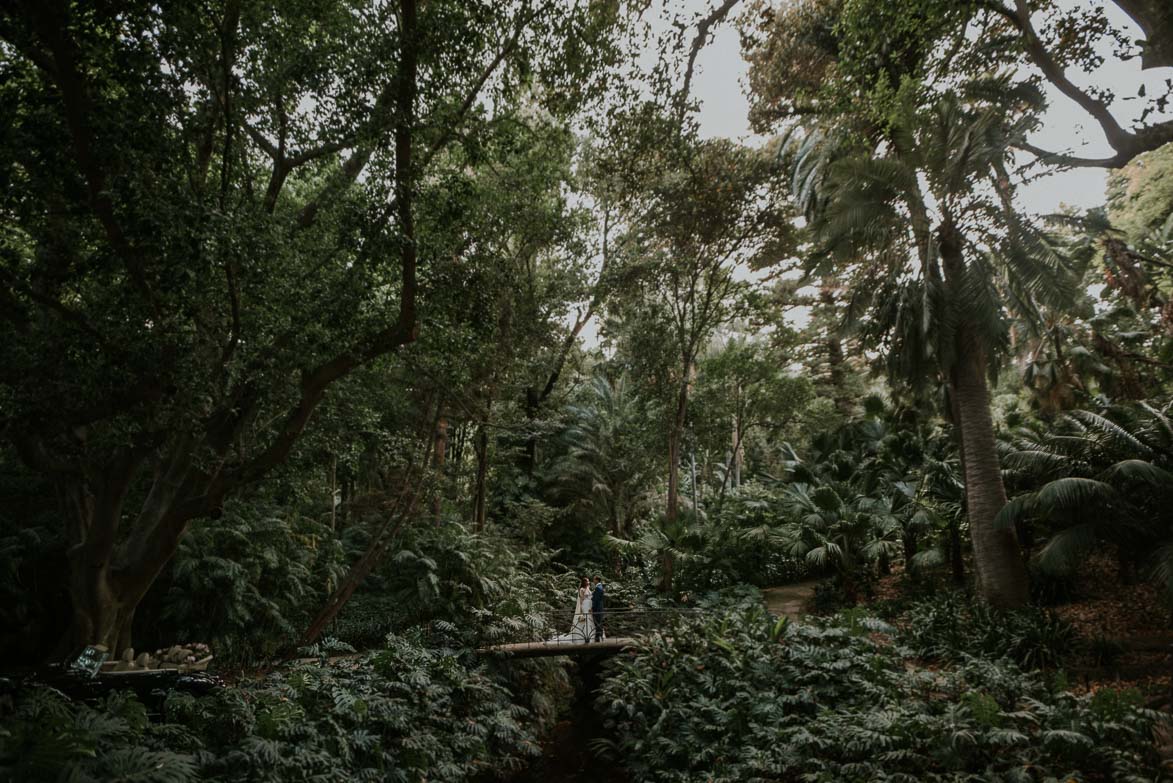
(1073,492)
(1066,548)
(1138,470)
(1111,432)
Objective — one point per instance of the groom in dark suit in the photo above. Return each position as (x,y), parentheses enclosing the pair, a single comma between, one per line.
(598,597)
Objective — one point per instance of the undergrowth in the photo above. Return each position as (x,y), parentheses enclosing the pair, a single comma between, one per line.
(404,713)
(746,698)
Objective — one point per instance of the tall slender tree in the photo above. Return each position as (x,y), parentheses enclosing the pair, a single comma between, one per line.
(939,257)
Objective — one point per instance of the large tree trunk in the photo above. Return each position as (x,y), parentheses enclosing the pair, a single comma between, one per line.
(106,579)
(672,512)
(480,492)
(1000,567)
(106,583)
(1155,20)
(675,438)
(956,558)
(100,613)
(836,363)
(440,451)
(114,561)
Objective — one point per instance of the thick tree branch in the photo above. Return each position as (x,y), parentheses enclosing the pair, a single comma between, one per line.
(1116,135)
(354,165)
(581,320)
(1074,161)
(698,42)
(205,491)
(1127,144)
(1155,20)
(49,22)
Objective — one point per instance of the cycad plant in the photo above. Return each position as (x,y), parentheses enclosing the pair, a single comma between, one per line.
(837,529)
(603,469)
(1106,479)
(921,222)
(665,540)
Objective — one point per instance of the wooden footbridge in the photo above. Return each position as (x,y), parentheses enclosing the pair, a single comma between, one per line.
(538,635)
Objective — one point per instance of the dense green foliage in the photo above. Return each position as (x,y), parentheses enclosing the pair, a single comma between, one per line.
(407,712)
(951,628)
(247,581)
(1098,478)
(740,698)
(371,328)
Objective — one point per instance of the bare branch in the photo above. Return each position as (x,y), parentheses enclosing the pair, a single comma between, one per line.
(1127,144)
(698,42)
(354,165)
(1116,135)
(1073,161)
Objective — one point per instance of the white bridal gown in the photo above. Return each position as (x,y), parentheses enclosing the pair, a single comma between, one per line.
(583,629)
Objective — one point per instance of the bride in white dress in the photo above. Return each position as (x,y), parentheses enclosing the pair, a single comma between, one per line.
(583,629)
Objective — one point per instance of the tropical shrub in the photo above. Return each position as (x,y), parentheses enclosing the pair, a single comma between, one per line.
(247,582)
(744,697)
(602,469)
(741,544)
(727,557)
(456,587)
(405,713)
(1096,479)
(477,585)
(836,528)
(954,627)
(48,737)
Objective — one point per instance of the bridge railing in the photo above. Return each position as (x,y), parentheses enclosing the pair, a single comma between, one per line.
(558,628)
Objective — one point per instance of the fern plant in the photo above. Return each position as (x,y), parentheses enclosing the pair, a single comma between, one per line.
(248,581)
(47,737)
(408,712)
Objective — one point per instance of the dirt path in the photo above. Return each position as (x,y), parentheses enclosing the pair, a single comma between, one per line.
(790,600)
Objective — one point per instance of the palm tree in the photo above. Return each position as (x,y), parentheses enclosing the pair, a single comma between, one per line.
(923,226)
(604,468)
(834,527)
(895,454)
(1107,479)
(667,540)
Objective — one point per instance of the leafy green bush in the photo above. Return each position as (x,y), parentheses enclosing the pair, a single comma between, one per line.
(952,627)
(1096,478)
(743,697)
(246,583)
(404,713)
(48,737)
(742,544)
(479,586)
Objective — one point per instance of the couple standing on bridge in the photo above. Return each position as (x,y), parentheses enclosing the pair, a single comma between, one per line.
(588,613)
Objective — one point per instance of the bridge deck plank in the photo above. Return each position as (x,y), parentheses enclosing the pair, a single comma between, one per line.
(537,649)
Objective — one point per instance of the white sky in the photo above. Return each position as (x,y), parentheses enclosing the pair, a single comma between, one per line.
(720,82)
(719,86)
